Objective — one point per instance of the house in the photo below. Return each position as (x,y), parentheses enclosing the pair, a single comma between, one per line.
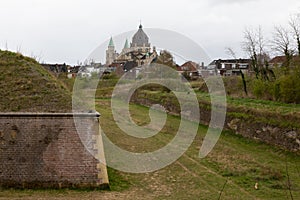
(57,68)
(73,71)
(88,70)
(190,69)
(207,71)
(229,67)
(279,61)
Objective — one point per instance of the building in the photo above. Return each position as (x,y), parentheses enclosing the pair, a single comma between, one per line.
(280,61)
(88,70)
(139,53)
(111,53)
(189,69)
(231,67)
(57,68)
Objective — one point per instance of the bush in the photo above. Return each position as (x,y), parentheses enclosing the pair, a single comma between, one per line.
(290,88)
(262,89)
(109,76)
(286,88)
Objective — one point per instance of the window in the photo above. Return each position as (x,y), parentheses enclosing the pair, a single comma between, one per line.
(243,66)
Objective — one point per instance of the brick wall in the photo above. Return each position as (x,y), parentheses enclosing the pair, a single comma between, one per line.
(45,151)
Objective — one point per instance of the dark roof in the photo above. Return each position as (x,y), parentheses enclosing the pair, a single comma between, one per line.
(240,60)
(130,65)
(140,38)
(281,59)
(278,59)
(115,64)
(188,66)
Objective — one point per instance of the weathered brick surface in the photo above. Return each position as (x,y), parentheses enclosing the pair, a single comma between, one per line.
(44,150)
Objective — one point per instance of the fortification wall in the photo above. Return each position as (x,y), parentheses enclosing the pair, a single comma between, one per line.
(45,151)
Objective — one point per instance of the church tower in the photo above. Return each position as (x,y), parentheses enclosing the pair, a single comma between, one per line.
(111,53)
(140,41)
(138,52)
(126,48)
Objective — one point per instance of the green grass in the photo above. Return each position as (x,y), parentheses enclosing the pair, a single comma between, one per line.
(262,105)
(238,161)
(27,86)
(117,181)
(241,161)
(260,111)
(278,107)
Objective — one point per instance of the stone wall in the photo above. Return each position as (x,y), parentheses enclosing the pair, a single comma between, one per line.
(256,125)
(45,151)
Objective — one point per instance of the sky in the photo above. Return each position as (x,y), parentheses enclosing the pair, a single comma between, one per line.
(68,31)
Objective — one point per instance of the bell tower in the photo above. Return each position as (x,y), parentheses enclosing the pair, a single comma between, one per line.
(111,53)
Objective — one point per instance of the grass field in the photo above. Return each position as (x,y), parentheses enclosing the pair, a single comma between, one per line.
(233,167)
(238,162)
(230,171)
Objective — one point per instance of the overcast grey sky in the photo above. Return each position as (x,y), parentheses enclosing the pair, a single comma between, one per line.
(69,30)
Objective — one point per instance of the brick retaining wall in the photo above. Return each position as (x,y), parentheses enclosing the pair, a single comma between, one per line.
(43,150)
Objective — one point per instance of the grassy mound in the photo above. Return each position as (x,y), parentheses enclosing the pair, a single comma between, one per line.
(25,86)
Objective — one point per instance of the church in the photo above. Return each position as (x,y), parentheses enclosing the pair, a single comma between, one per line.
(132,56)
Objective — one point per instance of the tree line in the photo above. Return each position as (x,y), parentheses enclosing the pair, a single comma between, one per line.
(280,83)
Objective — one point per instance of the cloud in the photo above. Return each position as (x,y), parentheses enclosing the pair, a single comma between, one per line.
(79,26)
(229,2)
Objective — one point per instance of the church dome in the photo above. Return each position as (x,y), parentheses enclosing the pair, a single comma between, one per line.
(140,39)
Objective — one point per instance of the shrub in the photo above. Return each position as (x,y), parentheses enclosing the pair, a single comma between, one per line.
(263,89)
(290,88)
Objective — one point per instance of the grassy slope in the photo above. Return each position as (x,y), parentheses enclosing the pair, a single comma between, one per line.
(238,162)
(269,112)
(27,86)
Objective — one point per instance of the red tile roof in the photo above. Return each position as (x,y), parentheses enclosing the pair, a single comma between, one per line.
(188,66)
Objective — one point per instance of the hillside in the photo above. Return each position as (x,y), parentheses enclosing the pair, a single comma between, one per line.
(27,87)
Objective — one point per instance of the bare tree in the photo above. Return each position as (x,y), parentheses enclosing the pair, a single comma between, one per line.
(231,53)
(282,44)
(295,25)
(254,45)
(250,46)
